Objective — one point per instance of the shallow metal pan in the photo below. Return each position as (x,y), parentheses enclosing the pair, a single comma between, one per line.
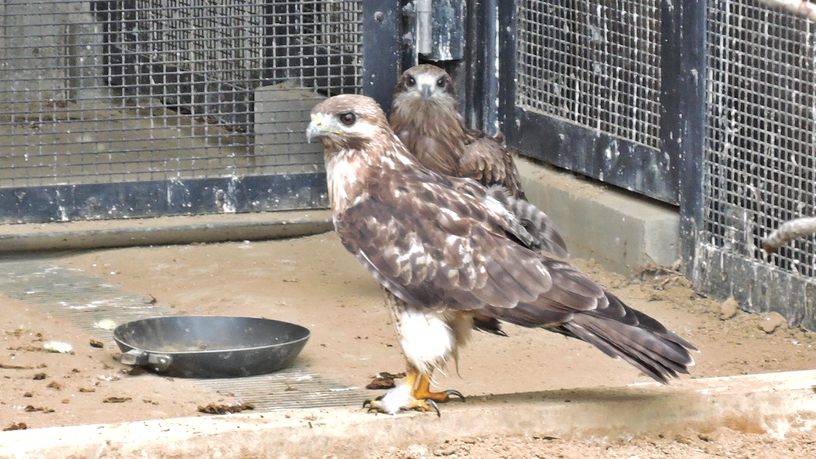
(210,346)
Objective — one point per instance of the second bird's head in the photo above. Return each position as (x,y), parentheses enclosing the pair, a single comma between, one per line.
(425,82)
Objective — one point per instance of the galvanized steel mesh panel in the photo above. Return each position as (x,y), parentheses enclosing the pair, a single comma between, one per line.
(593,63)
(759,140)
(141,90)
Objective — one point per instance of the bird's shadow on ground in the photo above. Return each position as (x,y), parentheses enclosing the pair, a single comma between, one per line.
(646,393)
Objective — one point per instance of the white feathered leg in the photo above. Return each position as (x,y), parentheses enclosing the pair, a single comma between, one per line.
(428,340)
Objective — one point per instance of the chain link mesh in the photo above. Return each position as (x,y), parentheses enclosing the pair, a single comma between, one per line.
(139,90)
(595,63)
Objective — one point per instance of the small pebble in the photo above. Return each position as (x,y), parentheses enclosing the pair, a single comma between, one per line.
(447,450)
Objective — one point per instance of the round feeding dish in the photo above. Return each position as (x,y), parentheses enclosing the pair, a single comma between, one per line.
(210,346)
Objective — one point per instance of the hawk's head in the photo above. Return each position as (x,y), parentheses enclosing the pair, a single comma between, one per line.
(346,122)
(358,145)
(425,84)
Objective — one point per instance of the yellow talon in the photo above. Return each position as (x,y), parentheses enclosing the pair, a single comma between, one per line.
(415,394)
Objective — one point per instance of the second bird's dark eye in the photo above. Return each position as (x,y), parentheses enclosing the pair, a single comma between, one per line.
(348,118)
(441,82)
(411,81)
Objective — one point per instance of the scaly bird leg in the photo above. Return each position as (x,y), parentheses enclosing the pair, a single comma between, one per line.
(422,391)
(414,394)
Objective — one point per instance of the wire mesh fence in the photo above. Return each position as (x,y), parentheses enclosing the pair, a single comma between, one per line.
(757,167)
(144,90)
(759,142)
(593,63)
(739,105)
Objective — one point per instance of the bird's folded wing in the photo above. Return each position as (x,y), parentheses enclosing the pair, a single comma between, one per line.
(435,247)
(487,161)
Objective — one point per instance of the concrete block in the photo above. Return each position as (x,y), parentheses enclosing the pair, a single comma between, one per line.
(39,38)
(621,232)
(281,118)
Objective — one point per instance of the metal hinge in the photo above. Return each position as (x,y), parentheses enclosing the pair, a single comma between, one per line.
(435,29)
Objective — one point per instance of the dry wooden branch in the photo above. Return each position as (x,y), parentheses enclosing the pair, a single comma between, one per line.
(788,232)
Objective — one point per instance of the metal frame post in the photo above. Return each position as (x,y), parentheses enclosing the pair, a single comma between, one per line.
(683,120)
(381,49)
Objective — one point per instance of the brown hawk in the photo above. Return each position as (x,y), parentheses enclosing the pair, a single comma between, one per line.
(424,116)
(452,257)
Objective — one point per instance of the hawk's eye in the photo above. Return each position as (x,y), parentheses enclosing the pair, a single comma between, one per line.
(411,82)
(441,82)
(347,118)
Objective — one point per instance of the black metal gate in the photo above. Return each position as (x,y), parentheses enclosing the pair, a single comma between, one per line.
(133,108)
(758,165)
(585,89)
(708,105)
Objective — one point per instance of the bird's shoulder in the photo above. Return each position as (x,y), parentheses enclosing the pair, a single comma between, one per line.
(488,161)
(414,196)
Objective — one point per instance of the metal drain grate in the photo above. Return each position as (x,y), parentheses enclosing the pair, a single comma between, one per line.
(288,389)
(74,296)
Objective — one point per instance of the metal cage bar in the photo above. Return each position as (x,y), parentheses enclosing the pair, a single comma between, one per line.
(726,130)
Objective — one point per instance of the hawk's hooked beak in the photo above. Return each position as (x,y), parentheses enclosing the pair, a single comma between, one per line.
(426,91)
(318,127)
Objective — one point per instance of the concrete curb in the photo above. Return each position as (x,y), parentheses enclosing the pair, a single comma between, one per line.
(162,231)
(622,232)
(775,403)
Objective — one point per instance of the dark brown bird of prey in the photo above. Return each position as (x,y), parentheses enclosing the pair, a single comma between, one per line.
(451,258)
(424,116)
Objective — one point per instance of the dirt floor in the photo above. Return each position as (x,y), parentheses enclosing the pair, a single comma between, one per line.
(314,282)
(687,445)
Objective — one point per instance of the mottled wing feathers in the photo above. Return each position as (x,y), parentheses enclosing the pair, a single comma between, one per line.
(542,232)
(436,245)
(488,162)
(438,248)
(570,293)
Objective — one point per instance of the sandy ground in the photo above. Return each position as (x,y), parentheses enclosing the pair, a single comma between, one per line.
(42,389)
(314,282)
(687,445)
